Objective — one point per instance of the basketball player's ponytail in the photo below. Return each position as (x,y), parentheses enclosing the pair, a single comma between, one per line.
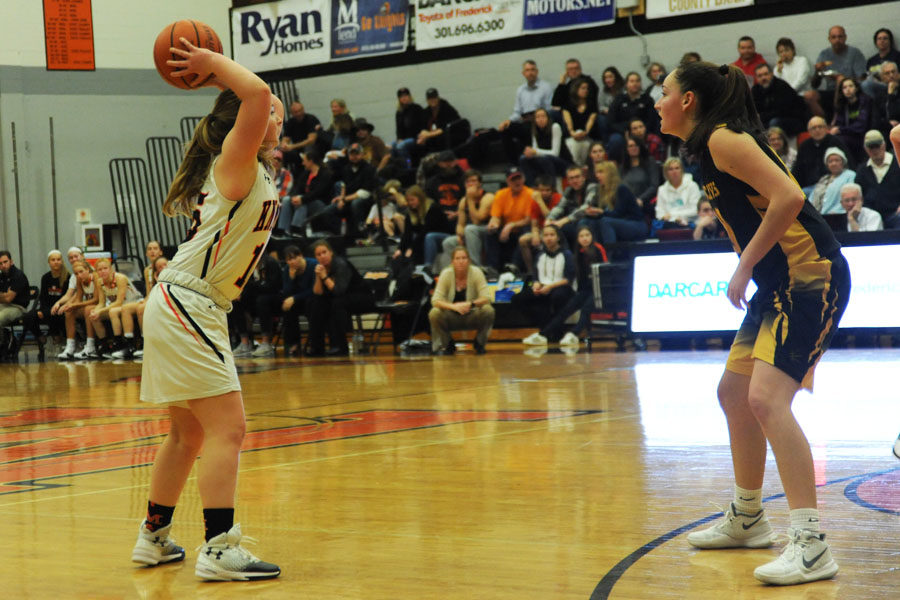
(723,98)
(205,144)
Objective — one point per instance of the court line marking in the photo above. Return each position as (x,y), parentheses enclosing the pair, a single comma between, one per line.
(317,459)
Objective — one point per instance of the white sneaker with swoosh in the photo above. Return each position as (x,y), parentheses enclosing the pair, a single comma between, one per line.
(805,558)
(735,530)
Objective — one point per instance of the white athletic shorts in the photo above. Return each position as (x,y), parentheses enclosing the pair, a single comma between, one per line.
(187,352)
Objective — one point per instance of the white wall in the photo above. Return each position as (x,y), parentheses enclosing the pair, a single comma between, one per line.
(110,112)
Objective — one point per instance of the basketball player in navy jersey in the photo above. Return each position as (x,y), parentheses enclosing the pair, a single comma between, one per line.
(803,286)
(225,186)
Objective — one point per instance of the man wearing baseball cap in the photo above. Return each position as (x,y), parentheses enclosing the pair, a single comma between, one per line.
(510,216)
(439,114)
(356,185)
(879,179)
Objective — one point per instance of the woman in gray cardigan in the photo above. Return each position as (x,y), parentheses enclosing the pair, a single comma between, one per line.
(461,301)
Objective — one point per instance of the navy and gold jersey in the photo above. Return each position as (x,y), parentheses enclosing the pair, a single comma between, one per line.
(800,258)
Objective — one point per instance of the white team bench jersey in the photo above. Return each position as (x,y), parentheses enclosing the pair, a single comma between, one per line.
(226,238)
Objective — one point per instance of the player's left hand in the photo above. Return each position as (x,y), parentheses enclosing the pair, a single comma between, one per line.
(737,287)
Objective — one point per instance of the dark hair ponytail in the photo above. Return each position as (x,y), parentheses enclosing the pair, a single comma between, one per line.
(723,98)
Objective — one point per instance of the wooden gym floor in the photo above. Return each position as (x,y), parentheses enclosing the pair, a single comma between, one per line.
(505,476)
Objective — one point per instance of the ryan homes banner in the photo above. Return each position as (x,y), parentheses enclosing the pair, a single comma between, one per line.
(550,15)
(281,35)
(368,27)
(443,23)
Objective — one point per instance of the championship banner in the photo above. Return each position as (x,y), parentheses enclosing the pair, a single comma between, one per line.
(551,15)
(658,9)
(368,27)
(281,35)
(444,23)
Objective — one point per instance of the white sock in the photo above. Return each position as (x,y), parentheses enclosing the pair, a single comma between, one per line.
(129,336)
(89,344)
(805,518)
(70,345)
(748,502)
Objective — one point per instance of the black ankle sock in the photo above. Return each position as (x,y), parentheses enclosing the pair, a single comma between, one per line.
(158,516)
(217,520)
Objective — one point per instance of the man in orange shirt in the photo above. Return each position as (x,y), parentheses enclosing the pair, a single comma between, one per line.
(510,217)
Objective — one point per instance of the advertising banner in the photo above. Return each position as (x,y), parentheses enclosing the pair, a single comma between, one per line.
(368,27)
(442,23)
(658,9)
(280,35)
(550,15)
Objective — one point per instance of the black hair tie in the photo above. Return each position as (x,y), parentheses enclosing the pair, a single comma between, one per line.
(723,70)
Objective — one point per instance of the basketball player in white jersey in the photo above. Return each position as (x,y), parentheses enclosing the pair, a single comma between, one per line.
(224,186)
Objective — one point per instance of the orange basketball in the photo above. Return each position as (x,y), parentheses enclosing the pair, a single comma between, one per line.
(197,33)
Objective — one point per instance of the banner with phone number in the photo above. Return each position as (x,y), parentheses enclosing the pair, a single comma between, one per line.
(440,25)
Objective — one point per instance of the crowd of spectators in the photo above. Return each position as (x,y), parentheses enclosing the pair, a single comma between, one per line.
(583,158)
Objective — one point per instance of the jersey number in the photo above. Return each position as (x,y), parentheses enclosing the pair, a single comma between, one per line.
(240,281)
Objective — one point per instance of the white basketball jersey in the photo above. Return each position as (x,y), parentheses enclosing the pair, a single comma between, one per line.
(87,291)
(226,238)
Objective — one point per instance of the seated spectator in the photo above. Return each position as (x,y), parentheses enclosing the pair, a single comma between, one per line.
(380,220)
(338,110)
(613,85)
(834,64)
(339,291)
(297,279)
(54,284)
(637,130)
(135,310)
(311,193)
(438,117)
(472,220)
(596,154)
(542,156)
(73,255)
(852,116)
(260,294)
(677,198)
(579,199)
(113,290)
(409,120)
(510,216)
(748,59)
(14,296)
(79,307)
(562,95)
(879,179)
(689,57)
(301,131)
(546,296)
(810,164)
(859,218)
(621,217)
(342,135)
(423,216)
(284,179)
(826,196)
(588,253)
(656,72)
(461,300)
(446,187)
(777,103)
(640,172)
(535,93)
(545,199)
(579,117)
(873,85)
(355,186)
(374,150)
(792,69)
(631,103)
(707,226)
(779,142)
(891,77)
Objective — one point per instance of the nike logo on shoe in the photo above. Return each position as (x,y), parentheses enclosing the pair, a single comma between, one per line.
(809,563)
(746,527)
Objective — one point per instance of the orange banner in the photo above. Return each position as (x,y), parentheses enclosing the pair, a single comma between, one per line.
(69,35)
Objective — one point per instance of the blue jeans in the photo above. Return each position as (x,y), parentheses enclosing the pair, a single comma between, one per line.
(546,164)
(609,230)
(296,216)
(433,241)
